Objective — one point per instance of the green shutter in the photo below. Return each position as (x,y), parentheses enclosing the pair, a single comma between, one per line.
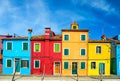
(57,47)
(82,65)
(82,51)
(9,63)
(66,37)
(37,47)
(9,46)
(65,65)
(37,64)
(25,46)
(66,51)
(83,37)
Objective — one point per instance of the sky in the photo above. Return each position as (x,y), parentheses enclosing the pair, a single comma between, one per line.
(98,16)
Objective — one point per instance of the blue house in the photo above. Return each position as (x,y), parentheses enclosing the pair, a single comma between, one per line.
(115,55)
(16,55)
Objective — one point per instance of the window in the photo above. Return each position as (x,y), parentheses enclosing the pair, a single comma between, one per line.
(9,63)
(82,65)
(37,47)
(83,52)
(66,51)
(65,65)
(74,27)
(66,37)
(24,63)
(9,45)
(36,64)
(56,47)
(25,46)
(93,65)
(83,37)
(98,49)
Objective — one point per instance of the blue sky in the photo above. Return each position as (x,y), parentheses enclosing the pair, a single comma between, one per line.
(99,16)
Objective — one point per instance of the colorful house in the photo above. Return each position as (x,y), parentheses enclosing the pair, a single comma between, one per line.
(1,48)
(16,55)
(99,57)
(74,51)
(46,53)
(115,55)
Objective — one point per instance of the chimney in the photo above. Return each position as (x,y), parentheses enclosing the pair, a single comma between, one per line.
(29,33)
(47,32)
(103,37)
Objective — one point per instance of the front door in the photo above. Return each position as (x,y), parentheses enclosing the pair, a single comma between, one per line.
(57,67)
(102,68)
(17,65)
(74,67)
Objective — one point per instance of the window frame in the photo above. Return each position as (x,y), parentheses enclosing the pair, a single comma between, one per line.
(97,52)
(80,65)
(39,47)
(7,63)
(68,36)
(7,46)
(23,46)
(64,65)
(64,51)
(34,64)
(27,63)
(81,37)
(81,50)
(91,66)
(59,48)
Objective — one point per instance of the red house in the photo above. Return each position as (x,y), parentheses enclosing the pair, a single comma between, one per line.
(46,53)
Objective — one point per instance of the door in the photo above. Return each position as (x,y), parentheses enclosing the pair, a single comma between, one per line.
(17,65)
(74,67)
(102,68)
(57,67)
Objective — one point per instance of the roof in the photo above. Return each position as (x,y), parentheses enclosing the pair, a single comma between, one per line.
(99,41)
(42,37)
(16,38)
(114,40)
(69,30)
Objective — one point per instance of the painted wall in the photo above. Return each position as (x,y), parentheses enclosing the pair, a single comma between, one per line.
(74,45)
(118,59)
(103,57)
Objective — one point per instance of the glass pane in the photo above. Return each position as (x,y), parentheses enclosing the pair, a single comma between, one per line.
(65,65)
(83,37)
(9,63)
(93,65)
(66,37)
(24,63)
(82,51)
(36,64)
(66,51)
(9,46)
(82,65)
(57,47)
(37,47)
(25,46)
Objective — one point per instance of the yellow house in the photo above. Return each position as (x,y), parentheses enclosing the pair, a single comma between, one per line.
(99,58)
(74,51)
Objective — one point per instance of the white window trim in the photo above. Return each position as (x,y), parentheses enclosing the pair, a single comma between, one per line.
(39,45)
(63,51)
(26,60)
(85,51)
(22,46)
(6,45)
(85,37)
(80,65)
(34,64)
(68,35)
(63,65)
(59,49)
(6,62)
(96,50)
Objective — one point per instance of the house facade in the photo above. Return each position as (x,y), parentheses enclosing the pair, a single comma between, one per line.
(115,55)
(46,53)
(99,57)
(16,55)
(74,51)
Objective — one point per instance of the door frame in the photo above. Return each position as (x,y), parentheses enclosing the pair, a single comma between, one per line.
(77,69)
(15,65)
(54,68)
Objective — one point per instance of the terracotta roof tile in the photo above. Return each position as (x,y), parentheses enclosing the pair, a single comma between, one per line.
(117,41)
(99,41)
(15,38)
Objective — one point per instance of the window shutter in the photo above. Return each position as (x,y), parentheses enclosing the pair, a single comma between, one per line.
(65,65)
(25,46)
